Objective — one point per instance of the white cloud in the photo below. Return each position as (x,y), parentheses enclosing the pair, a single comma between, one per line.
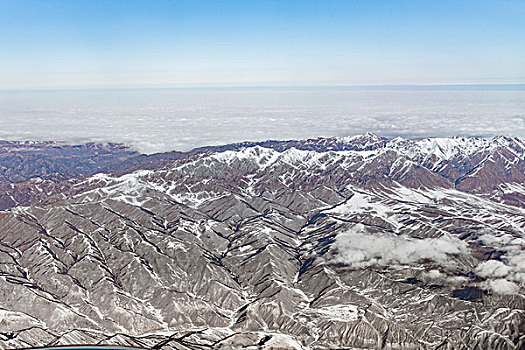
(501,286)
(506,275)
(165,120)
(438,276)
(492,268)
(434,274)
(361,249)
(456,279)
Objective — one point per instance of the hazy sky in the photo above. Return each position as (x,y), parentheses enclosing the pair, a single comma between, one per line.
(212,43)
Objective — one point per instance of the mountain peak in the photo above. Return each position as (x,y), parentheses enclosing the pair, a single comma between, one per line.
(363,138)
(226,238)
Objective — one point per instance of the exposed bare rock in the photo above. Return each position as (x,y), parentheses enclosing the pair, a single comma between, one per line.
(349,243)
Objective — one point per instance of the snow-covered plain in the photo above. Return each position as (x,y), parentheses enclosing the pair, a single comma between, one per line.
(180,119)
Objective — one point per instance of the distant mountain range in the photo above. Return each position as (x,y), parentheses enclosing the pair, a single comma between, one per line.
(356,242)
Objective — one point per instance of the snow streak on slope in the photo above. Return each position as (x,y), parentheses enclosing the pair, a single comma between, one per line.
(356,243)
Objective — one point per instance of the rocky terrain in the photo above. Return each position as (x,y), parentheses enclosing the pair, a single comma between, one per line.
(354,243)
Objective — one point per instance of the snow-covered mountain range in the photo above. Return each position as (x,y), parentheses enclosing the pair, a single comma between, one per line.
(355,242)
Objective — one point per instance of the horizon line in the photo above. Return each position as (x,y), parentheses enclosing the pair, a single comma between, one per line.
(255,142)
(520,86)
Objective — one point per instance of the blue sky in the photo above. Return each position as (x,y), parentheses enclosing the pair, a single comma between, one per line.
(57,44)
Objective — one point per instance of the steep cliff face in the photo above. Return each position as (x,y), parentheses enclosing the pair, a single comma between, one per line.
(356,242)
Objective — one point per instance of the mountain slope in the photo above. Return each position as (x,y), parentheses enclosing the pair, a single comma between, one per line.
(356,242)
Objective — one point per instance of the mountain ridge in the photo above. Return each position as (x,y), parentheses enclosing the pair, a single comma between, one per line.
(358,242)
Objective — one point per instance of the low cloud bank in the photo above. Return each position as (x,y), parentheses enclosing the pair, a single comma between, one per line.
(443,277)
(506,275)
(159,120)
(361,249)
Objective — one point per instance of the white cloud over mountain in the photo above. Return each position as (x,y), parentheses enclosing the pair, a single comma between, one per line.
(506,274)
(361,249)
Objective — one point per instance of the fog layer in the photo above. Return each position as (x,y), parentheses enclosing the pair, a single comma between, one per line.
(162,120)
